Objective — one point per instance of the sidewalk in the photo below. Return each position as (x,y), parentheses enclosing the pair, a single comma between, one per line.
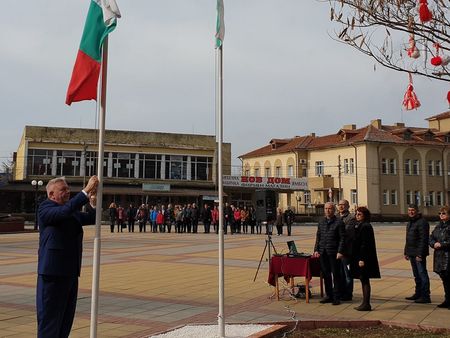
(153,282)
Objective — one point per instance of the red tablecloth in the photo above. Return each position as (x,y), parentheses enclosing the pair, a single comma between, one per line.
(284,266)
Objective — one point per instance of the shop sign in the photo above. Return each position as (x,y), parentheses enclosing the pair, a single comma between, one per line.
(155,187)
(282,183)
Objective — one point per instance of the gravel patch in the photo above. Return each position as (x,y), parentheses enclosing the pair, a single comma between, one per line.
(212,331)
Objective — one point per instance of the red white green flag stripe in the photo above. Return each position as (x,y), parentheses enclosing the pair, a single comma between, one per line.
(100,21)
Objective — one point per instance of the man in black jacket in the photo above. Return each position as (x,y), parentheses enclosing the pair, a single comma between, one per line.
(416,251)
(349,221)
(329,248)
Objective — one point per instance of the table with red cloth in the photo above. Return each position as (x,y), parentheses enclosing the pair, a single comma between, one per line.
(294,266)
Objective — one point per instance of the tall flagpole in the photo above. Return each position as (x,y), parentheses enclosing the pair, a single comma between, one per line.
(219,116)
(98,210)
(220,33)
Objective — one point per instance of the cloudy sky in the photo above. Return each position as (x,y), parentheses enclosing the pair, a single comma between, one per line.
(283,74)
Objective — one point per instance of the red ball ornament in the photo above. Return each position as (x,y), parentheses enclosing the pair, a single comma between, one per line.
(436,61)
(448,98)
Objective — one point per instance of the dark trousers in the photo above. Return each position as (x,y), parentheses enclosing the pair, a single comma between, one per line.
(279,229)
(420,277)
(207,225)
(56,300)
(130,225)
(347,279)
(112,225)
(142,226)
(445,277)
(289,228)
(331,270)
(169,226)
(194,226)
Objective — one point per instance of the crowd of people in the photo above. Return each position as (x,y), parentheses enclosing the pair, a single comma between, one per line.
(186,218)
(345,245)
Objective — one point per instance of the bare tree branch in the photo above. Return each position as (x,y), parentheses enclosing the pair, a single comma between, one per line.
(383,29)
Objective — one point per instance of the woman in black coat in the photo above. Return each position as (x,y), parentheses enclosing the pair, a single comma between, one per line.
(364,261)
(440,242)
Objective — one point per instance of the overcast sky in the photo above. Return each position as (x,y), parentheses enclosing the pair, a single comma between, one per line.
(283,74)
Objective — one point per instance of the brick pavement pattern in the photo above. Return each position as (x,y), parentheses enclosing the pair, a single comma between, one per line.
(150,283)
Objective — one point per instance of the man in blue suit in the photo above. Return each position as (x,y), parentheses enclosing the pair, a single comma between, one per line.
(60,250)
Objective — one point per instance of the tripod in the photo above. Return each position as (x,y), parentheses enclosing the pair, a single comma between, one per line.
(267,246)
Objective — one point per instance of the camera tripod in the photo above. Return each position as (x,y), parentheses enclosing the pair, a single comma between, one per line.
(267,247)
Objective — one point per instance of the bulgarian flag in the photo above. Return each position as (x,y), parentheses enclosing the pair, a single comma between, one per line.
(100,21)
(220,24)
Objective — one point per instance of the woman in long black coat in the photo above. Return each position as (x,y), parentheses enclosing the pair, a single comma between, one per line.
(440,242)
(364,261)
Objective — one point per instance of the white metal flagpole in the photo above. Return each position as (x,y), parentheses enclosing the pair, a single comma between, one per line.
(220,32)
(98,214)
(219,114)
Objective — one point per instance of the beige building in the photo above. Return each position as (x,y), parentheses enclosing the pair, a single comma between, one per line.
(138,166)
(384,167)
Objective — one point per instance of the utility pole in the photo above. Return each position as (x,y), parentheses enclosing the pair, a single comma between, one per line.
(339,176)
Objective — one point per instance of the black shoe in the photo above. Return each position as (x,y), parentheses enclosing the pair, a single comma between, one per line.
(326,300)
(336,302)
(363,307)
(444,304)
(413,297)
(422,301)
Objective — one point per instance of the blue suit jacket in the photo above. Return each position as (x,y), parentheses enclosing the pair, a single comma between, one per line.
(61,236)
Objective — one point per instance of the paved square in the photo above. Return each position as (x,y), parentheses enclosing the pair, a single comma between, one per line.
(152,282)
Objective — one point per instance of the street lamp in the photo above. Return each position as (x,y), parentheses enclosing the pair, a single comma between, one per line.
(36,185)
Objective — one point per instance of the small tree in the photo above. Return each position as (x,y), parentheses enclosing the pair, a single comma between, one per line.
(396,34)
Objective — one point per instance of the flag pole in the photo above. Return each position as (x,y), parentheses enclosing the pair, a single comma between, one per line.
(219,116)
(98,211)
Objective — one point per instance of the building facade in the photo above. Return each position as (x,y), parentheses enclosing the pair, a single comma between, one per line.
(384,167)
(138,167)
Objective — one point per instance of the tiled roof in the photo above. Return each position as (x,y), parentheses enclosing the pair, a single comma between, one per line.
(346,137)
(440,116)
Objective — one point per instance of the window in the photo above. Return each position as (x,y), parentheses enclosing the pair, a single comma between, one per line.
(201,168)
(417,198)
(431,198)
(267,172)
(319,168)
(409,197)
(407,167)
(447,138)
(307,197)
(385,197)
(123,165)
(431,168)
(384,167)
(68,163)
(39,162)
(91,164)
(394,197)
(277,171)
(438,167)
(416,167)
(176,167)
(247,172)
(392,166)
(346,170)
(150,166)
(290,172)
(352,166)
(439,198)
(256,172)
(354,196)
